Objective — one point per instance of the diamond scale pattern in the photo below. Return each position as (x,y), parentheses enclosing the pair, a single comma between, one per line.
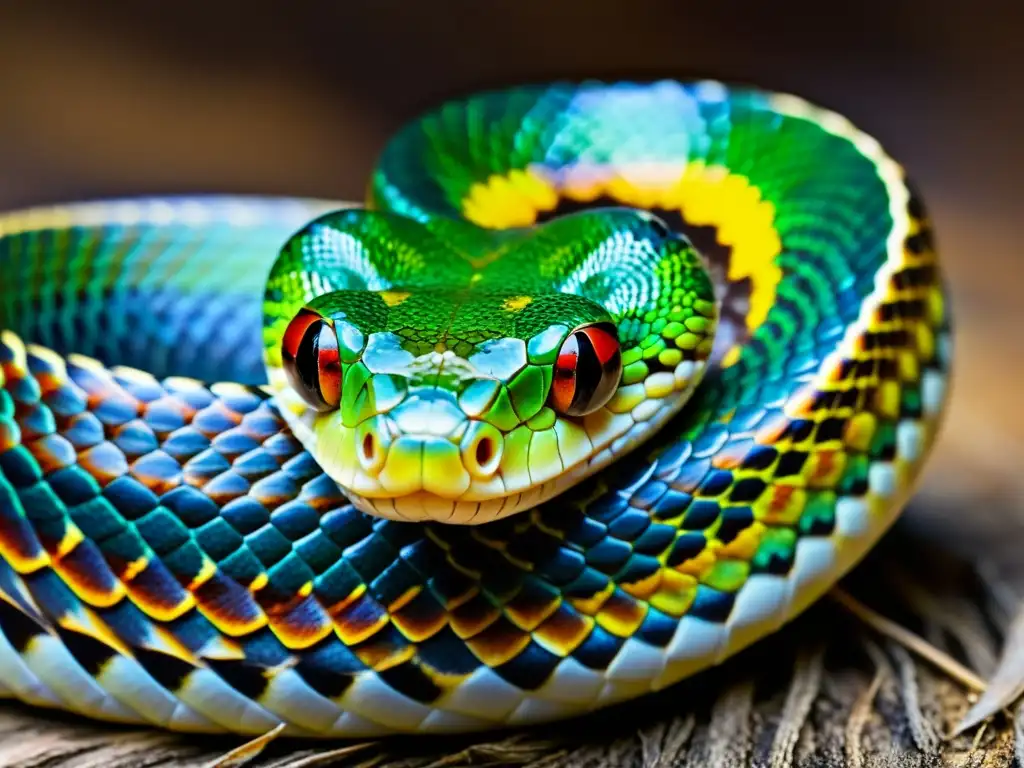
(179,527)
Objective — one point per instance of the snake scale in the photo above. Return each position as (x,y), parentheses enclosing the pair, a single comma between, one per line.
(604,383)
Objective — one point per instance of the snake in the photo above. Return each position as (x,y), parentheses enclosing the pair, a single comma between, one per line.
(602,383)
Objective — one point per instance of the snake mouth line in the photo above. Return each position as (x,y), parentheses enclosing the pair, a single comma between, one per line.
(424,506)
(434,462)
(491,499)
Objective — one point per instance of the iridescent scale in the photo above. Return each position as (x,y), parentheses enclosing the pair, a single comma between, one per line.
(170,555)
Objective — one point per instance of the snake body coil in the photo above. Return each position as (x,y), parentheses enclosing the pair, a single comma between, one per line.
(458,481)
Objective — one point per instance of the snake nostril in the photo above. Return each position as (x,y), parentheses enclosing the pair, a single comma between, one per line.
(371,444)
(484,451)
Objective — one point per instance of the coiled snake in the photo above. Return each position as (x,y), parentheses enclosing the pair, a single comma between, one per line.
(503,447)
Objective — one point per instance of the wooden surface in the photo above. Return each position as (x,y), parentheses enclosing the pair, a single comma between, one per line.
(120,102)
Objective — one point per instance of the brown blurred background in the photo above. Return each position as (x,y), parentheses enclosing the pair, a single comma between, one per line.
(112,98)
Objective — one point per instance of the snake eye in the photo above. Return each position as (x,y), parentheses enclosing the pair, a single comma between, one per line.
(309,354)
(587,370)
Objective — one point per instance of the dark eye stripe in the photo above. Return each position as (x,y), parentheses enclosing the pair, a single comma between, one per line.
(328,365)
(604,344)
(563,386)
(589,373)
(310,357)
(295,332)
(587,370)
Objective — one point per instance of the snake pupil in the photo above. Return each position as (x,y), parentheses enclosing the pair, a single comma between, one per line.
(587,370)
(309,353)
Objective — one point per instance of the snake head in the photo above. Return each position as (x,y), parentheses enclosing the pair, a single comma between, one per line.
(457,396)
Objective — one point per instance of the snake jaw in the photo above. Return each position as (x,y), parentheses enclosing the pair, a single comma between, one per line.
(468,439)
(441,473)
(427,458)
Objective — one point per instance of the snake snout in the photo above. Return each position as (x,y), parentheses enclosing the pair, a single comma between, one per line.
(428,413)
(427,443)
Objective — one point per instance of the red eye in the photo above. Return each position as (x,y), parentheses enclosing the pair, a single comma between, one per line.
(309,353)
(587,370)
